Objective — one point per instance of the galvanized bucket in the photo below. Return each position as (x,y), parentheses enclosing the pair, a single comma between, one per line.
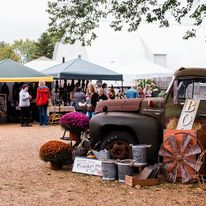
(125,167)
(109,169)
(139,153)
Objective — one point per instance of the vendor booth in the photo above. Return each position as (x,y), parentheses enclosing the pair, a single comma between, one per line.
(12,76)
(77,70)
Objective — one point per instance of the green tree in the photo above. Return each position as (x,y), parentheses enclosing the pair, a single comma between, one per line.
(6,52)
(72,20)
(3,44)
(25,49)
(44,46)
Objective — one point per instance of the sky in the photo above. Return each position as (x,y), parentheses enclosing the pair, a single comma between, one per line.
(22,19)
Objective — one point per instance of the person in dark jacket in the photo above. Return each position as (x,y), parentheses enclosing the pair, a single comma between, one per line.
(92,99)
(79,97)
(42,99)
(101,94)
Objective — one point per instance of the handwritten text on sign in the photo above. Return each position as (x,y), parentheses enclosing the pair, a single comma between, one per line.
(87,166)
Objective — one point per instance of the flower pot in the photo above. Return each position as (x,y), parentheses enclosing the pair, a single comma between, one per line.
(73,136)
(56,166)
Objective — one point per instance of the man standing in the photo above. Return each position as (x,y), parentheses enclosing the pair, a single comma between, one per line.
(24,104)
(79,97)
(101,94)
(132,92)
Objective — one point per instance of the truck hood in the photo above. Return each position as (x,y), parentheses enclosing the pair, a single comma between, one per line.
(130,105)
(153,103)
(119,105)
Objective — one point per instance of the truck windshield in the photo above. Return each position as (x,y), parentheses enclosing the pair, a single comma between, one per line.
(192,89)
(170,85)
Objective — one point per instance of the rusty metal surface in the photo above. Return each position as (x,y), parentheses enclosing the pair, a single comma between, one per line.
(122,105)
(201,72)
(179,152)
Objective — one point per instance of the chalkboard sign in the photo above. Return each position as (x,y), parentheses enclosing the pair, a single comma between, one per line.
(87,166)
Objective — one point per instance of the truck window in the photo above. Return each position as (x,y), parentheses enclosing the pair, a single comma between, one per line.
(192,89)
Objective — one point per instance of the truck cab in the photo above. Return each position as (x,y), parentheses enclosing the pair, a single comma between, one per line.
(119,123)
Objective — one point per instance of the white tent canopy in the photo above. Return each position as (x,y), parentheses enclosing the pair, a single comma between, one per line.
(41,63)
(140,68)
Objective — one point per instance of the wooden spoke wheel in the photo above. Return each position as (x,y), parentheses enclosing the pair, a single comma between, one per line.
(179,153)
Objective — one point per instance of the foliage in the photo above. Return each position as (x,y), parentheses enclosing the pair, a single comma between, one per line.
(25,49)
(6,52)
(56,152)
(75,122)
(144,82)
(72,20)
(44,46)
(3,44)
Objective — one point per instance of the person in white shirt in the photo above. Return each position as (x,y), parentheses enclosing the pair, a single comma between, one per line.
(24,104)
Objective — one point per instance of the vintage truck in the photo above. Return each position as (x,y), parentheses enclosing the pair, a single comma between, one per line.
(121,122)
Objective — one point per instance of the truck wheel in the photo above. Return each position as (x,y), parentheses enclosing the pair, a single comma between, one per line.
(118,144)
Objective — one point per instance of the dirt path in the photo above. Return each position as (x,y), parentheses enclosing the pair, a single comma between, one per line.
(27,181)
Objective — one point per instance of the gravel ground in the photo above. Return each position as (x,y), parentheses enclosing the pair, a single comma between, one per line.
(27,181)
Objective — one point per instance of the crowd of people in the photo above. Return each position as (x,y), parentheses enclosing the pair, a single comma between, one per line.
(83,95)
(86,102)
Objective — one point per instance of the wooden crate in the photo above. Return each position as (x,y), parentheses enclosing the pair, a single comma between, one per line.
(133,181)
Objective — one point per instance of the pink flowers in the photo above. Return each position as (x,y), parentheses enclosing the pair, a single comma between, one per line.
(74,122)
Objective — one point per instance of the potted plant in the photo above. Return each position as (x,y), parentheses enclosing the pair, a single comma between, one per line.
(75,123)
(57,153)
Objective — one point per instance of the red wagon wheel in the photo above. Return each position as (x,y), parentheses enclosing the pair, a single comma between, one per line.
(179,153)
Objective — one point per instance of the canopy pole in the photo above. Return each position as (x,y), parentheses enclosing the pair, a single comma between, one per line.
(60,84)
(122,86)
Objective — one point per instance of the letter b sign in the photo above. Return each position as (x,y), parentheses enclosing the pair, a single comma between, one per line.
(188,114)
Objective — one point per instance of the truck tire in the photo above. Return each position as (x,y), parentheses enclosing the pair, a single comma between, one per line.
(118,144)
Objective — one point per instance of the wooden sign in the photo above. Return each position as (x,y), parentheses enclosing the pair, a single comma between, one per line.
(87,166)
(188,114)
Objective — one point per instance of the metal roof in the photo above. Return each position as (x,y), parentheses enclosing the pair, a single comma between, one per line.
(184,72)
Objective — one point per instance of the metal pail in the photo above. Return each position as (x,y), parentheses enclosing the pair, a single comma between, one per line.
(109,169)
(125,168)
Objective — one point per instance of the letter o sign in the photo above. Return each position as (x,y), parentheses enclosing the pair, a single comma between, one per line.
(186,120)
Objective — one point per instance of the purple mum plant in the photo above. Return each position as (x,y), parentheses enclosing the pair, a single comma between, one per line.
(74,122)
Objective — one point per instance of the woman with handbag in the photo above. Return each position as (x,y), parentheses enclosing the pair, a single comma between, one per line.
(92,99)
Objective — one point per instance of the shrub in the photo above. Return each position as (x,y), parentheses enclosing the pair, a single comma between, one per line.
(56,152)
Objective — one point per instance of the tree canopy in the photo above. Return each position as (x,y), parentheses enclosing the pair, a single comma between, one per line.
(44,46)
(72,20)
(25,49)
(6,52)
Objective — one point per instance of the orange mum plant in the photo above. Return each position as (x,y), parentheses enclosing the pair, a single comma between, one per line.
(56,152)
